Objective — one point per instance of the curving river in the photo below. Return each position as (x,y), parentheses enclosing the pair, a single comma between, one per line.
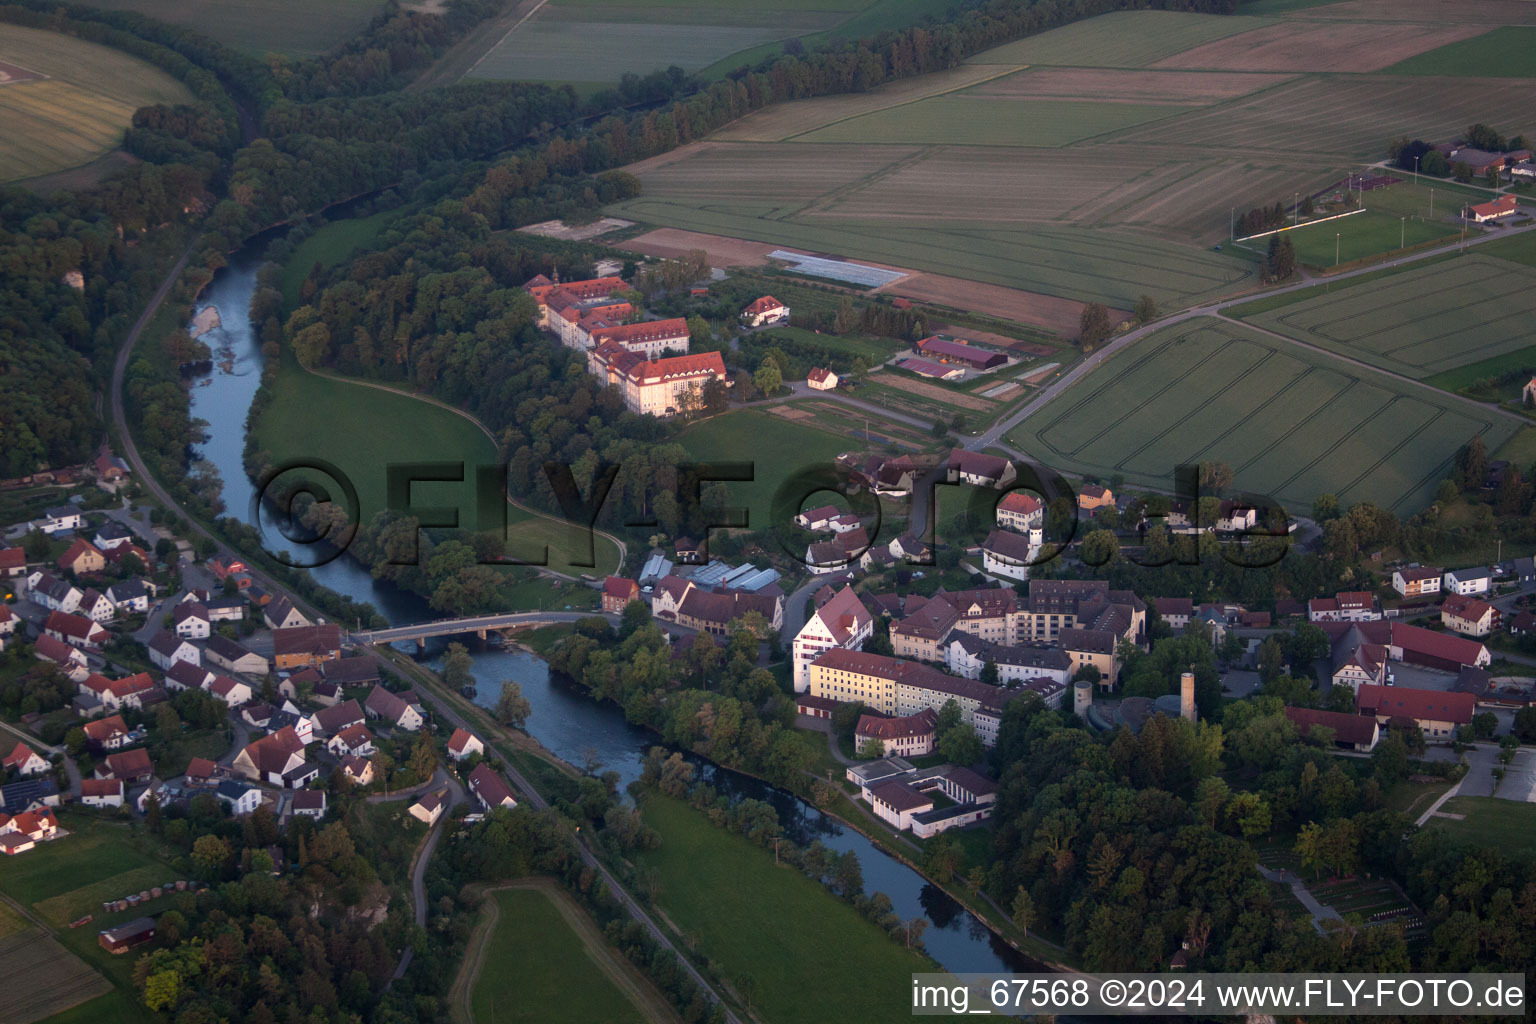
(564,720)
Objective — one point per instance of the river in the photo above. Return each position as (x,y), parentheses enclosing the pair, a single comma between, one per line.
(564,720)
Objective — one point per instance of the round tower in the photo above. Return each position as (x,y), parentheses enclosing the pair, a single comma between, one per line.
(1082,698)
(1187,696)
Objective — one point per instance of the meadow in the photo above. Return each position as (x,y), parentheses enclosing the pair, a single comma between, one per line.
(368,428)
(82,106)
(563,975)
(293,27)
(1491,822)
(1502,53)
(777,447)
(1422,322)
(771,931)
(329,245)
(1291,423)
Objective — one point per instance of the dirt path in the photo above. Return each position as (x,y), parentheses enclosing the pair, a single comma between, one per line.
(466,55)
(612,963)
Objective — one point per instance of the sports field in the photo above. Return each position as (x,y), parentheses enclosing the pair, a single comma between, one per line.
(297,27)
(64,102)
(1361,236)
(1423,321)
(564,972)
(1291,423)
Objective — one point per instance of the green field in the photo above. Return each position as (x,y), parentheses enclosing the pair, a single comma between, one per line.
(1362,236)
(297,27)
(1519,248)
(802,949)
(538,970)
(1423,322)
(962,119)
(1125,39)
(1291,423)
(82,106)
(364,429)
(1503,825)
(777,447)
(1508,52)
(328,246)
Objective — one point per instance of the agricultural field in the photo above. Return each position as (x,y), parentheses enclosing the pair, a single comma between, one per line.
(1293,45)
(64,102)
(782,937)
(1422,322)
(294,27)
(1446,12)
(1502,53)
(1291,423)
(565,971)
(1126,39)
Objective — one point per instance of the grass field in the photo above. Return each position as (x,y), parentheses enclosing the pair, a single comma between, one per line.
(1490,822)
(328,246)
(1361,237)
(1423,322)
(1516,248)
(777,447)
(297,27)
(366,429)
(1503,53)
(802,949)
(82,106)
(1291,423)
(1127,39)
(563,975)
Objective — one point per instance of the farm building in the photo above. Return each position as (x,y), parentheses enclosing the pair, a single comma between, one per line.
(766,310)
(927,368)
(1503,206)
(958,350)
(125,936)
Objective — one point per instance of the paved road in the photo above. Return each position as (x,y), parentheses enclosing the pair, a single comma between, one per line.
(423,856)
(1320,911)
(471,623)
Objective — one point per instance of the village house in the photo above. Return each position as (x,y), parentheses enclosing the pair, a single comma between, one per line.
(393,710)
(230,690)
(839,621)
(184,675)
(1413,645)
(301,646)
(23,760)
(1437,713)
(1345,606)
(231,656)
(96,606)
(1475,580)
(22,832)
(618,592)
(464,744)
(1175,612)
(60,519)
(357,670)
(1416,581)
(1005,553)
(240,798)
(48,591)
(1093,497)
(82,558)
(70,660)
(821,379)
(76,630)
(332,720)
(13,562)
(911,736)
(229,608)
(979,469)
(127,765)
(1469,616)
(8,622)
(1021,512)
(358,769)
(166,648)
(428,809)
(111,534)
(190,621)
(355,740)
(309,802)
(765,311)
(281,614)
(1351,732)
(101,792)
(490,788)
(277,759)
(1357,664)
(129,596)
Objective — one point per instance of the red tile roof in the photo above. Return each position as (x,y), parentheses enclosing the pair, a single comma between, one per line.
(765,304)
(1020,502)
(875,727)
(819,375)
(1421,705)
(647,331)
(1498,208)
(1346,728)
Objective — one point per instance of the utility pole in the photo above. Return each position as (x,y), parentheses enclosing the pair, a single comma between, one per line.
(1402,233)
(1431,203)
(1232,225)
(1336,236)
(1296,209)
(1415,170)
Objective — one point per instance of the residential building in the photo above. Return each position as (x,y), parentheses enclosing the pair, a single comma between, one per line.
(980,469)
(82,558)
(240,798)
(101,792)
(309,802)
(301,646)
(821,379)
(1416,581)
(1021,512)
(840,621)
(111,534)
(96,606)
(429,808)
(13,562)
(765,311)
(1436,712)
(332,720)
(8,621)
(226,608)
(464,744)
(490,788)
(231,656)
(1357,663)
(128,765)
(75,630)
(1094,497)
(358,769)
(281,614)
(1176,612)
(70,660)
(1414,645)
(1095,647)
(1475,580)
(61,518)
(129,596)
(109,733)
(355,740)
(48,591)
(25,761)
(618,592)
(190,621)
(166,648)
(184,675)
(1345,606)
(393,710)
(277,759)
(1469,616)
(231,691)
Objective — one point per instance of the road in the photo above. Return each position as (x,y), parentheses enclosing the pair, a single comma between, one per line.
(472,623)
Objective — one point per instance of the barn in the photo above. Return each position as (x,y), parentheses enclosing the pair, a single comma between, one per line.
(958,350)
